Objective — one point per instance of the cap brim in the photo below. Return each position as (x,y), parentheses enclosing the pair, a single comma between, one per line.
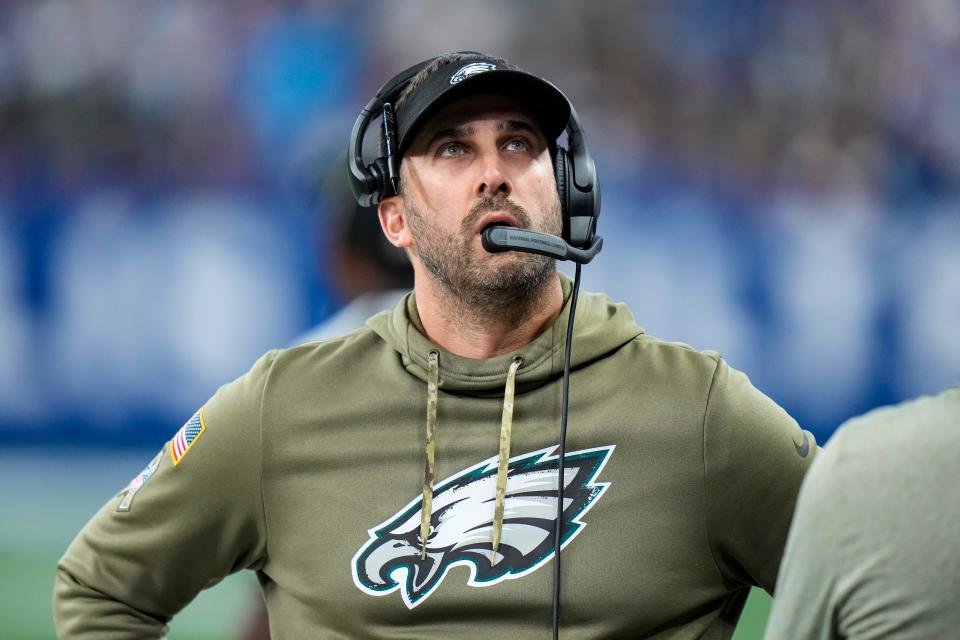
(546,104)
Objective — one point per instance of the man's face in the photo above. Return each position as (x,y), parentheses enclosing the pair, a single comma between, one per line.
(480,161)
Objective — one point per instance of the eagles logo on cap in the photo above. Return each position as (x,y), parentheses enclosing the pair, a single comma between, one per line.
(470,70)
(480,74)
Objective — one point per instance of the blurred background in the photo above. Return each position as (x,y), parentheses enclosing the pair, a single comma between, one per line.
(781,183)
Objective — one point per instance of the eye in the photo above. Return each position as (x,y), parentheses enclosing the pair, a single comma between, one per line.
(517,144)
(431,534)
(450,150)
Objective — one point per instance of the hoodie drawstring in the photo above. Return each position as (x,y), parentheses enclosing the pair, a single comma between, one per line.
(433,375)
(506,426)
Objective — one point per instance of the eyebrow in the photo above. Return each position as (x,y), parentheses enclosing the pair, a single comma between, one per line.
(520,125)
(449,132)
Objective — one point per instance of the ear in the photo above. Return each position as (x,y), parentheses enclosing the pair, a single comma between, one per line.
(393,221)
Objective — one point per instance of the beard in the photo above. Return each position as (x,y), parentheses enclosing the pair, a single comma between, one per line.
(510,281)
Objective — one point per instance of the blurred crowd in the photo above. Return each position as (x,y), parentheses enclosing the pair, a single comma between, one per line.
(781,182)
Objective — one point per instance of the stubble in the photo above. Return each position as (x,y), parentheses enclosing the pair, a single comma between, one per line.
(506,286)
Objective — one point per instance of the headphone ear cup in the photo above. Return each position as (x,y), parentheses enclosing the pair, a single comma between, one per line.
(379,171)
(580,208)
(560,165)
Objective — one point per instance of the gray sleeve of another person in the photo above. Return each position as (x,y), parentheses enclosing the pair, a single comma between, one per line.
(874,548)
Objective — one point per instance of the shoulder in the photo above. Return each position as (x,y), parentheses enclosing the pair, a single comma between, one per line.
(288,370)
(316,346)
(904,421)
(675,353)
(675,361)
(726,395)
(315,372)
(919,436)
(317,356)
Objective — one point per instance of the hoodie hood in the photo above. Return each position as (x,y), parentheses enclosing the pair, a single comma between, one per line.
(600,327)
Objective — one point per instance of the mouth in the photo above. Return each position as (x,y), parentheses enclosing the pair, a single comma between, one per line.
(495,220)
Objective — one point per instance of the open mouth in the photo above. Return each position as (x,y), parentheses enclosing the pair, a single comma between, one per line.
(493,225)
(495,221)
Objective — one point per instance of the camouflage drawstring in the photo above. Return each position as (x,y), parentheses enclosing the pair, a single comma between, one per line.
(506,424)
(433,374)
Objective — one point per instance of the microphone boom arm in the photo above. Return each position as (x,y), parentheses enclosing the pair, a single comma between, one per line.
(499,238)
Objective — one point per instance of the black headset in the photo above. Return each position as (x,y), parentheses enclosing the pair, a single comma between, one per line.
(574,169)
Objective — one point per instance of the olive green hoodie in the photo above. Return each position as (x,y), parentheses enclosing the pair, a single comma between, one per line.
(680,481)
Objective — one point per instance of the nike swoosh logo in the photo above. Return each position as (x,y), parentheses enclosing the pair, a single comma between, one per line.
(804,447)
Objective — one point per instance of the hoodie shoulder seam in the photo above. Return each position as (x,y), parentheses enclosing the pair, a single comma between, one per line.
(710,354)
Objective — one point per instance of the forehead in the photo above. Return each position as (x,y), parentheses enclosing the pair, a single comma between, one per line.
(474,108)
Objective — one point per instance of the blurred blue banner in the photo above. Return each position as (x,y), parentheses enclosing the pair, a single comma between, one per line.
(781,184)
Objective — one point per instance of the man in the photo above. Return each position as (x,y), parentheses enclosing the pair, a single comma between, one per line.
(874,551)
(679,477)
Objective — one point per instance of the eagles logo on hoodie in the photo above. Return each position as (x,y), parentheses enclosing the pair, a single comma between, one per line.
(462,519)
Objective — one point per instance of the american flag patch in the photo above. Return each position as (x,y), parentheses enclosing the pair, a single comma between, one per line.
(188,434)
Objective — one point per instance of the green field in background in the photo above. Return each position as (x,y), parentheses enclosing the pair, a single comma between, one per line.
(48,495)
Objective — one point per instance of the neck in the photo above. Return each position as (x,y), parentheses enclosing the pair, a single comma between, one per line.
(488,325)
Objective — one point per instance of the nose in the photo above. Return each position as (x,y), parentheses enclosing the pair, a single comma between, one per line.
(493,177)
